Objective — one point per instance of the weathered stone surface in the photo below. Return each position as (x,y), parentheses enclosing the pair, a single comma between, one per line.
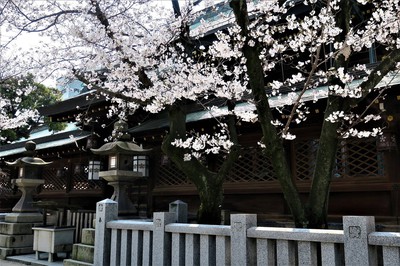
(244,248)
(180,209)
(88,236)
(106,211)
(27,187)
(5,252)
(16,241)
(81,252)
(53,239)
(162,240)
(15,229)
(356,230)
(24,218)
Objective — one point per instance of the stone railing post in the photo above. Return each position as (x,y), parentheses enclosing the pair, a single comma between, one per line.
(106,211)
(180,209)
(243,249)
(161,239)
(356,249)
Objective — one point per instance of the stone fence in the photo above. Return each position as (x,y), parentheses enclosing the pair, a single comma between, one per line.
(165,242)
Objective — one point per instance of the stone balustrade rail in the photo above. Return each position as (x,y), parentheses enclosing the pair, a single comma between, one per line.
(164,242)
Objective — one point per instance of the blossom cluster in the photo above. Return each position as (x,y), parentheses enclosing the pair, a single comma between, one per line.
(143,55)
(199,144)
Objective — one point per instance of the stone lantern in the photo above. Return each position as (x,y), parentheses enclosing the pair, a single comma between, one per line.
(29,177)
(122,169)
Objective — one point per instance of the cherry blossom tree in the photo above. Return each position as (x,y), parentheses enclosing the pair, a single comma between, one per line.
(142,55)
(138,54)
(327,23)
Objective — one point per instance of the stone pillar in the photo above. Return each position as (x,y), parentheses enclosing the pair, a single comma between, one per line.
(180,209)
(106,211)
(120,180)
(125,205)
(356,230)
(162,240)
(24,211)
(243,249)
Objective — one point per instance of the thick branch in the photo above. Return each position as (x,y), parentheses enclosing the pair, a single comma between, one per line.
(102,18)
(325,160)
(234,152)
(385,66)
(273,144)
(193,168)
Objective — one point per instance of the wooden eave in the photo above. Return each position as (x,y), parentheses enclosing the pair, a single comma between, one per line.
(68,109)
(79,134)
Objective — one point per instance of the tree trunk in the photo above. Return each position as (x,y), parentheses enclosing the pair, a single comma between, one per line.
(274,145)
(208,183)
(211,199)
(317,207)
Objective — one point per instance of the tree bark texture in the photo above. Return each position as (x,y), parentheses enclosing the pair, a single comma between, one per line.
(271,140)
(208,183)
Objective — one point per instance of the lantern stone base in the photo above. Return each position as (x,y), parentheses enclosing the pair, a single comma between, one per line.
(120,180)
(15,238)
(16,241)
(6,252)
(21,233)
(24,217)
(16,235)
(27,187)
(15,228)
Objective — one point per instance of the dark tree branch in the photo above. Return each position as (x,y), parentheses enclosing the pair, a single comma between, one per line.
(271,140)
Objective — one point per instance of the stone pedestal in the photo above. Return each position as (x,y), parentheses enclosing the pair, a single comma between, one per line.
(24,217)
(120,180)
(16,235)
(27,187)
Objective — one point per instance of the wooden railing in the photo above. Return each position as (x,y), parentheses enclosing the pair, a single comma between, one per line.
(164,242)
(77,218)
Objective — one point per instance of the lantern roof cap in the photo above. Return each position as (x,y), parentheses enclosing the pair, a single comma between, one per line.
(29,159)
(121,147)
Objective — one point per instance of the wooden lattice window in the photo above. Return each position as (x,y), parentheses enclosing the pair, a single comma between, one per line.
(252,166)
(52,182)
(80,182)
(5,184)
(170,175)
(358,158)
(61,176)
(306,152)
(354,158)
